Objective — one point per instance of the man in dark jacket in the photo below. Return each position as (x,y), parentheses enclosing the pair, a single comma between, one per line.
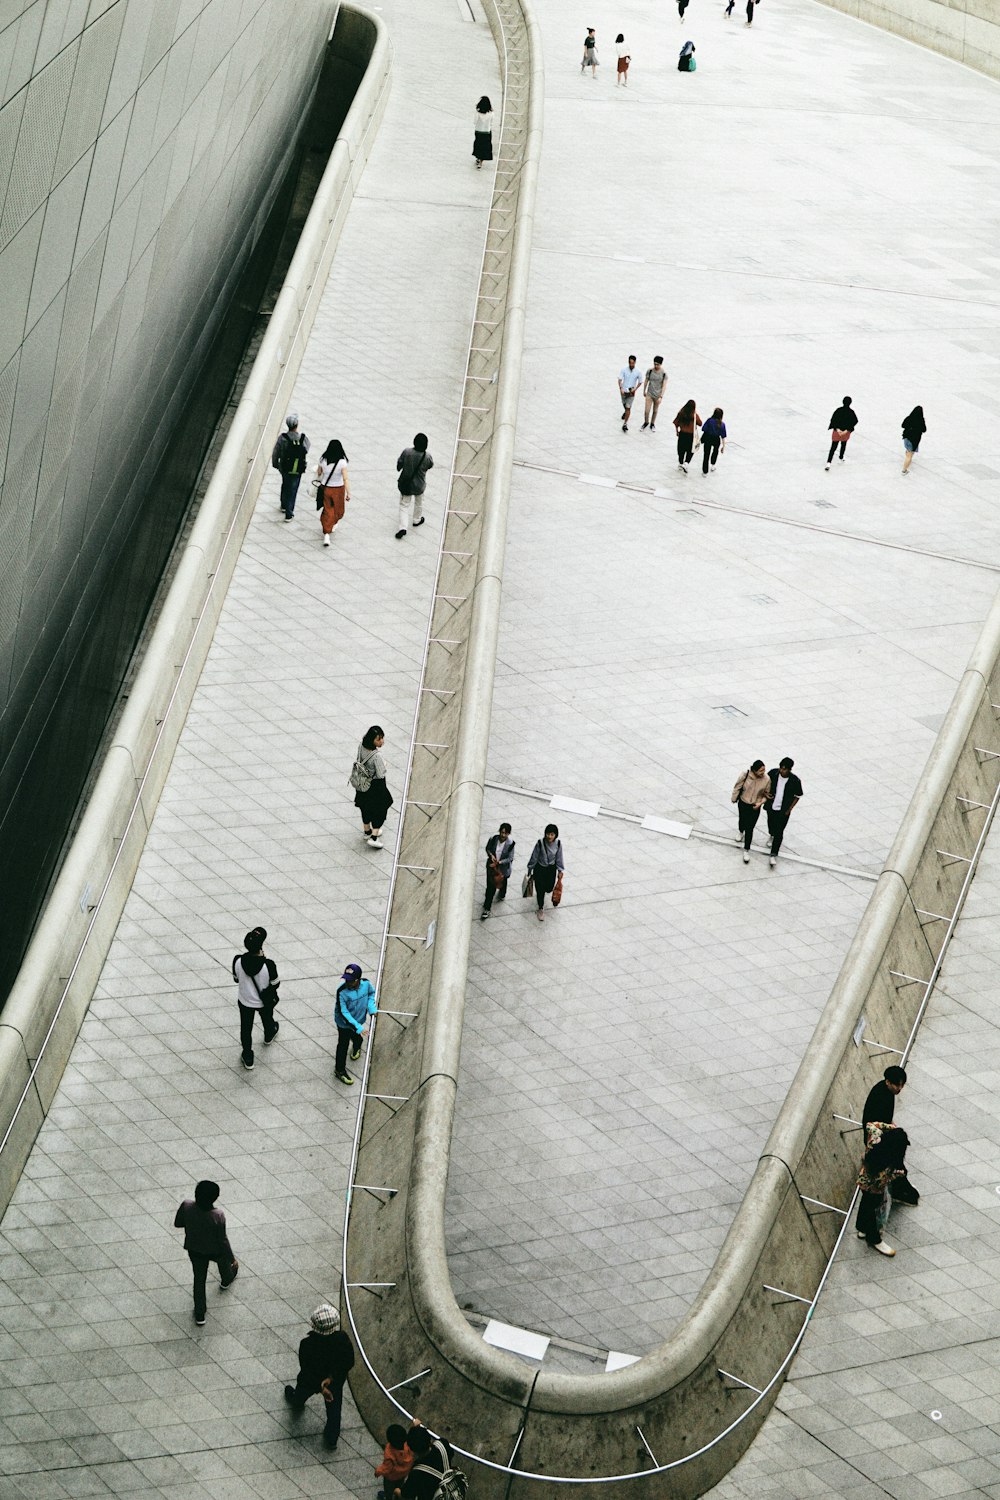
(289,458)
(499,861)
(879,1109)
(432,1457)
(786,789)
(205,1239)
(412,464)
(325,1356)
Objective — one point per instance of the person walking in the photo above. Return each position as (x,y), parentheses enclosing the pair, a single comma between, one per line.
(749,794)
(914,428)
(372,797)
(686,59)
(751,7)
(880,1106)
(433,1458)
(786,789)
(412,466)
(326,1356)
(729,9)
(842,424)
(653,388)
(713,440)
(682,6)
(590,52)
(353,1004)
(206,1240)
(499,861)
(546,867)
(397,1460)
(686,424)
(884,1162)
(624,58)
(482,139)
(289,458)
(629,381)
(334,487)
(256,993)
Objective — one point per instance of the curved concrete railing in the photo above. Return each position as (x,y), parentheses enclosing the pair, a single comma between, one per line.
(966,30)
(683,1414)
(46,1006)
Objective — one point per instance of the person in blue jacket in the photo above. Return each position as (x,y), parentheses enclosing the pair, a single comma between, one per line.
(355,1002)
(713,436)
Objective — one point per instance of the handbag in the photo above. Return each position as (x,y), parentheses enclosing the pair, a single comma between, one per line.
(557,890)
(268,994)
(318,487)
(499,878)
(528,884)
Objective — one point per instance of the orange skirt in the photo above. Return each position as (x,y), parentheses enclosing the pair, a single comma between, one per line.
(333,506)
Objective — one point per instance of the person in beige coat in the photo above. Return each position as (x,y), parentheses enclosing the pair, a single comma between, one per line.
(749,793)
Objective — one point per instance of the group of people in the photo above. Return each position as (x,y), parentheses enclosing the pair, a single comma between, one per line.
(883,1179)
(332,482)
(845,419)
(543,877)
(690,429)
(778,791)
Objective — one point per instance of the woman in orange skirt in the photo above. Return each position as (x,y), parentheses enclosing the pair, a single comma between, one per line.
(334,488)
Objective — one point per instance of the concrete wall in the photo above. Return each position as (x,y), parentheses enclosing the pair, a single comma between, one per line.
(698,1400)
(967,30)
(54,986)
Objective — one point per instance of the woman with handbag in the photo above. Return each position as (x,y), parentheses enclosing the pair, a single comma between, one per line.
(499,861)
(842,424)
(751,789)
(546,869)
(333,489)
(257,992)
(372,797)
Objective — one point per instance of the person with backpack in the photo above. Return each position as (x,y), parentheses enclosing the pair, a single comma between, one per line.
(289,458)
(432,1476)
(372,797)
(257,992)
(205,1240)
(326,1355)
(412,466)
(353,1004)
(653,388)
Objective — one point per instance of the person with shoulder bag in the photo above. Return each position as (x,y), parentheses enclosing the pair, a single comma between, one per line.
(289,458)
(545,870)
(372,797)
(333,487)
(257,992)
(749,794)
(413,465)
(499,862)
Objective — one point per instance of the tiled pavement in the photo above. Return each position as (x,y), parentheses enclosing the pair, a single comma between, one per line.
(762,226)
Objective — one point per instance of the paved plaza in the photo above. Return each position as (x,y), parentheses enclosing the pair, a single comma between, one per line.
(810,214)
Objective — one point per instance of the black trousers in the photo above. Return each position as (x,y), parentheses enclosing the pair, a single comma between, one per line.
(685,447)
(748,821)
(346,1040)
(776,823)
(305,1386)
(709,452)
(750,6)
(492,893)
(867,1221)
(200,1264)
(833,448)
(545,880)
(682,6)
(247,1013)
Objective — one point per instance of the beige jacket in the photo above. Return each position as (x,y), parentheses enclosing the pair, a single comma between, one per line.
(752,787)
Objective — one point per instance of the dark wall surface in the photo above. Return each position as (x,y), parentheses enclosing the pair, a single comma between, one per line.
(148,156)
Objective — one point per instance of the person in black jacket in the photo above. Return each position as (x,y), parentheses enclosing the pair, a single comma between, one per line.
(289,457)
(205,1239)
(879,1109)
(914,428)
(499,860)
(326,1355)
(842,424)
(430,1454)
(412,465)
(786,789)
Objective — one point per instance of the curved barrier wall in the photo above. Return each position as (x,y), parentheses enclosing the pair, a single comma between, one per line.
(678,1419)
(46,1006)
(966,30)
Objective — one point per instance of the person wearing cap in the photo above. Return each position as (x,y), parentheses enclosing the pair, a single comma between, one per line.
(355,1002)
(289,458)
(257,992)
(205,1240)
(326,1355)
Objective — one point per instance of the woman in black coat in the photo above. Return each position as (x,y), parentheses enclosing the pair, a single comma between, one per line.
(914,428)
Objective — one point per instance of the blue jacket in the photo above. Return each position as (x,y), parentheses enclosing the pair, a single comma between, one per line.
(352,1007)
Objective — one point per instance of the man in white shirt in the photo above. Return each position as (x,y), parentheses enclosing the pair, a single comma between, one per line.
(629,381)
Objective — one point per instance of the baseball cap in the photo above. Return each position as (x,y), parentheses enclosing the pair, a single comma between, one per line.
(353,971)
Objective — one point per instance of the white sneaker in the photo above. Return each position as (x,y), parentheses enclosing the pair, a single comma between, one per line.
(374,843)
(828,466)
(746,857)
(883,1248)
(773,861)
(326,541)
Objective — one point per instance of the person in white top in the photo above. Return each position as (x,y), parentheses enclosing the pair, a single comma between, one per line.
(482,141)
(334,487)
(629,381)
(623,60)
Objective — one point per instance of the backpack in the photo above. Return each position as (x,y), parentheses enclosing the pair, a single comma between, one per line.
(452,1483)
(290,454)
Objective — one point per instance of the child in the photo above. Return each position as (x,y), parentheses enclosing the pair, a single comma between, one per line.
(397,1460)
